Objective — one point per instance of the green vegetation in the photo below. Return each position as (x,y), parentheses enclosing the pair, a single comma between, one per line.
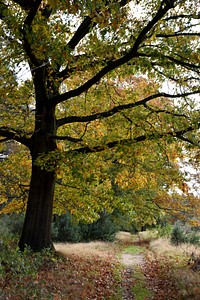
(141,292)
(184,234)
(67,229)
(169,267)
(48,275)
(19,272)
(164,230)
(134,249)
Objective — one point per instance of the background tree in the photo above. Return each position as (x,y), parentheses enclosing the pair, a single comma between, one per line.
(79,54)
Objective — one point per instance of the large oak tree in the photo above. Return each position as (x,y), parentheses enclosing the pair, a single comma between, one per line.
(82,57)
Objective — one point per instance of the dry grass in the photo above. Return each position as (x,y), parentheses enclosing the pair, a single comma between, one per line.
(175,261)
(147,235)
(167,264)
(98,249)
(163,246)
(90,250)
(124,237)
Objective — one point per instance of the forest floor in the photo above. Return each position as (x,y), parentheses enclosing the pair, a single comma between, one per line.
(126,269)
(138,268)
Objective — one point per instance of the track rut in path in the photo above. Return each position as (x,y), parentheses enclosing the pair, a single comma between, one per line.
(130,262)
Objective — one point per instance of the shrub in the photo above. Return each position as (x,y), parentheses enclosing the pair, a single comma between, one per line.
(19,271)
(184,234)
(13,223)
(65,229)
(164,230)
(194,239)
(178,236)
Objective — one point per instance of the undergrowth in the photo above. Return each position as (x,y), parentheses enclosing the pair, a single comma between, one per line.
(168,273)
(46,275)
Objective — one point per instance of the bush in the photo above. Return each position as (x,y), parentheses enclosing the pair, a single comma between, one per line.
(184,234)
(103,229)
(194,239)
(164,230)
(65,229)
(13,223)
(19,270)
(7,238)
(178,236)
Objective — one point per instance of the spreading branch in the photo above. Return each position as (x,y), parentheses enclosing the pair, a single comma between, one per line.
(119,108)
(190,66)
(133,53)
(175,134)
(182,16)
(25,4)
(84,28)
(65,138)
(3,10)
(87,25)
(27,28)
(12,134)
(32,13)
(176,34)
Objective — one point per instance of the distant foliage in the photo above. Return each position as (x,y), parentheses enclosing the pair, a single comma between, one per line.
(66,229)
(184,234)
(14,223)
(103,229)
(164,230)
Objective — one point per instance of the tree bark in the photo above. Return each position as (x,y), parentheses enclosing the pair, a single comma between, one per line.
(36,231)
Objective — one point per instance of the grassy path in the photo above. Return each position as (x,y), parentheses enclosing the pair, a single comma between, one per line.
(122,270)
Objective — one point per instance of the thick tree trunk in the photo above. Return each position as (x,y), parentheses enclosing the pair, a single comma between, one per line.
(37,225)
(36,231)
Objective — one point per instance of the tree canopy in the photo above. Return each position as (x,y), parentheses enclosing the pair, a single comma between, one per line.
(109,108)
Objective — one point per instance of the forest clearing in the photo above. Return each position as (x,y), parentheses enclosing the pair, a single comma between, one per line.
(99,134)
(125,269)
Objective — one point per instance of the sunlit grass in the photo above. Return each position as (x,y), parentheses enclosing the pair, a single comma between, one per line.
(134,249)
(175,259)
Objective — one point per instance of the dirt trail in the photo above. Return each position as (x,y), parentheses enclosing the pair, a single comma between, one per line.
(106,251)
(130,261)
